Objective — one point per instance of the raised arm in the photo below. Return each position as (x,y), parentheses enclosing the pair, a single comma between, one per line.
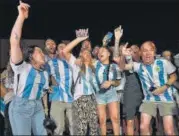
(16,53)
(121,61)
(82,35)
(118,32)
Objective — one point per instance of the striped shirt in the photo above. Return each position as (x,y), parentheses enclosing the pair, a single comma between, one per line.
(155,75)
(86,83)
(107,72)
(29,83)
(2,106)
(62,72)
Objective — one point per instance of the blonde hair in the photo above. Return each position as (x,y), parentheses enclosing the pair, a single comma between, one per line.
(166,52)
(151,43)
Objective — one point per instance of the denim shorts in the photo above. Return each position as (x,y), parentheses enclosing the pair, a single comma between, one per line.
(107,97)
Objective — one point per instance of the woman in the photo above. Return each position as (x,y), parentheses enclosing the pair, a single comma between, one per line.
(108,78)
(30,80)
(84,88)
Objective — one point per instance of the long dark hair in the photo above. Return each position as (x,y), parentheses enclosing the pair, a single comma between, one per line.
(28,51)
(110,59)
(111,53)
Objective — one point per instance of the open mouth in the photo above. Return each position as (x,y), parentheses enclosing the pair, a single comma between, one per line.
(148,57)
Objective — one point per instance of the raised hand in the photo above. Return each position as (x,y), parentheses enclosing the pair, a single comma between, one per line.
(118,32)
(82,34)
(23,9)
(126,51)
(117,59)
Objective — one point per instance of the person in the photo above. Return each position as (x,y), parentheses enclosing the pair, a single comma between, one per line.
(2,108)
(132,92)
(157,77)
(95,52)
(84,88)
(169,56)
(176,61)
(61,98)
(7,78)
(50,48)
(30,82)
(108,78)
(86,44)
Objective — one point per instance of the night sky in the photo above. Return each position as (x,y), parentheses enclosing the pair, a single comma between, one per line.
(141,21)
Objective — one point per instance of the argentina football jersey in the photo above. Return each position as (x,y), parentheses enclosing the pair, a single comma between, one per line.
(86,83)
(62,72)
(2,106)
(106,72)
(153,76)
(29,83)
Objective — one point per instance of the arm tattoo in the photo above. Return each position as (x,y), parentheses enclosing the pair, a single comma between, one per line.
(116,48)
(16,36)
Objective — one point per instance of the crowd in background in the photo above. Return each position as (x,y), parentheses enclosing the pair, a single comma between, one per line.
(59,92)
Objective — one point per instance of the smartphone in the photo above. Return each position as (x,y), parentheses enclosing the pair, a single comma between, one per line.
(109,35)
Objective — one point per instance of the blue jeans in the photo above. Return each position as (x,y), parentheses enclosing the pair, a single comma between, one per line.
(27,116)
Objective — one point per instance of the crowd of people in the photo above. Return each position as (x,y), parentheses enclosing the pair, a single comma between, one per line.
(55,92)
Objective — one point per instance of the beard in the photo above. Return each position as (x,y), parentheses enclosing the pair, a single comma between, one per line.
(50,50)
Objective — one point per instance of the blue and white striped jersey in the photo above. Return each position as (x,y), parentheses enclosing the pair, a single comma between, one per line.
(155,75)
(102,72)
(86,83)
(62,72)
(2,106)
(29,83)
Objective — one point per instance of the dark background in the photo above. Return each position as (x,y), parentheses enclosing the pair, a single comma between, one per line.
(142,20)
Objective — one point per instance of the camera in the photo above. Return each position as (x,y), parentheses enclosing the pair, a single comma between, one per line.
(49,124)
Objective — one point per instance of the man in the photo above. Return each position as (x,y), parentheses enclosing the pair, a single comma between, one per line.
(61,98)
(50,47)
(169,56)
(157,77)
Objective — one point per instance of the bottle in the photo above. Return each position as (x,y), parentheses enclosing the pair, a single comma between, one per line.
(129,61)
